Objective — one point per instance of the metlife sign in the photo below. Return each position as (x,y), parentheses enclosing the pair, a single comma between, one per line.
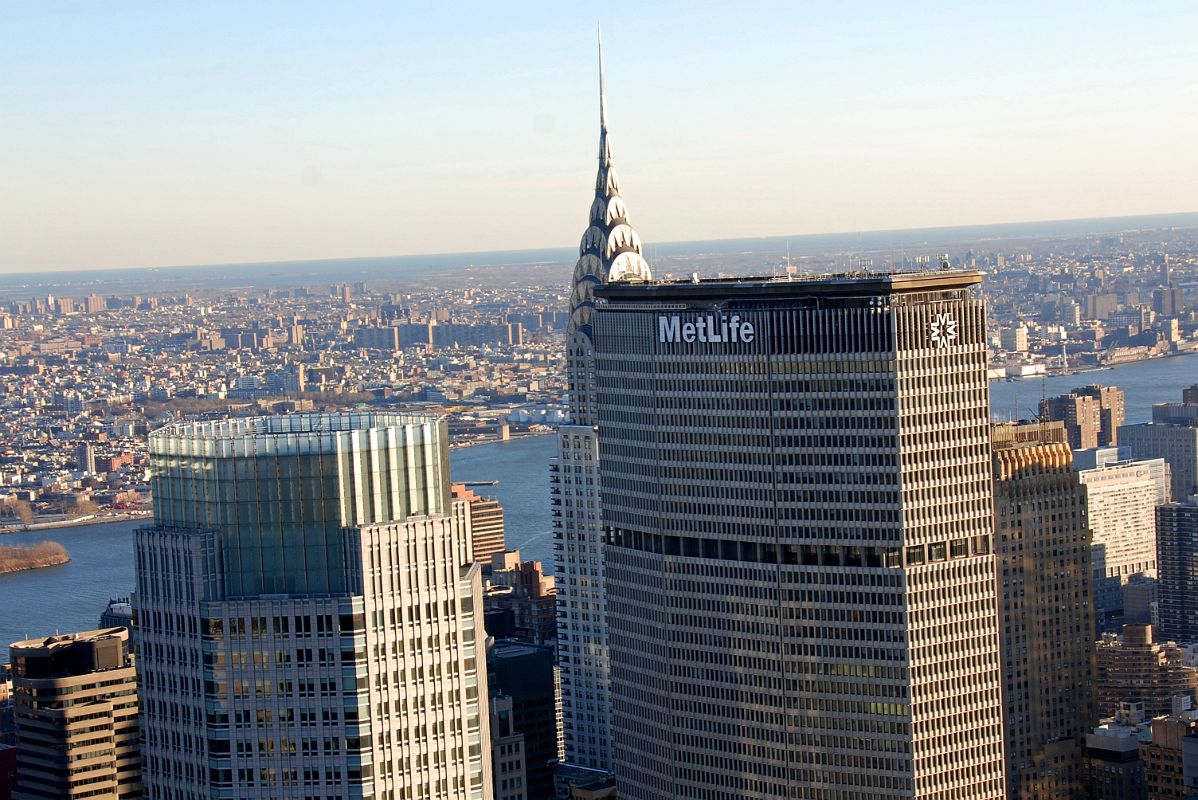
(710,328)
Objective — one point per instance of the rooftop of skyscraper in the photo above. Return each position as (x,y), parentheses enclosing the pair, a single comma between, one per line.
(854,283)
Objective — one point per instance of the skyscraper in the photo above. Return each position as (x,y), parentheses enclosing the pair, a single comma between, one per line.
(524,673)
(309,613)
(1173,436)
(1177,570)
(1046,610)
(796,499)
(610,251)
(1092,415)
(1121,498)
(76,712)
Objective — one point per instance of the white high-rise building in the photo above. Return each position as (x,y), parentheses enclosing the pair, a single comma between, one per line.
(1121,501)
(309,614)
(796,503)
(610,251)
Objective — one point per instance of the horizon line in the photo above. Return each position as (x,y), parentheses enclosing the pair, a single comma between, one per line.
(570,248)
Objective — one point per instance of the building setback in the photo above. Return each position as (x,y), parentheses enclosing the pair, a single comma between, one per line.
(1046,610)
(76,710)
(1137,668)
(796,501)
(309,613)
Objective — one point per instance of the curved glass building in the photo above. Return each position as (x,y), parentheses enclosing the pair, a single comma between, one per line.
(280,489)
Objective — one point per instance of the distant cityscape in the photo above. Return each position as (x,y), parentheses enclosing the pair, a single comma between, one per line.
(86,377)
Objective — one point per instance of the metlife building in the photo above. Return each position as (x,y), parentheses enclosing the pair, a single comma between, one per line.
(796,505)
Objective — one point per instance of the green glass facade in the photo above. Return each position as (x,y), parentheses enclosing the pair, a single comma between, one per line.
(278,490)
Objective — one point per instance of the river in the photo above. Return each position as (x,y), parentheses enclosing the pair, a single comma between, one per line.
(1158,380)
(70,597)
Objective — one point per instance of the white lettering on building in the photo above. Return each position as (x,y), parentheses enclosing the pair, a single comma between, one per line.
(709,328)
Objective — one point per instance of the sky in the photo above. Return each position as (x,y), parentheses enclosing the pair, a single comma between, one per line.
(153,134)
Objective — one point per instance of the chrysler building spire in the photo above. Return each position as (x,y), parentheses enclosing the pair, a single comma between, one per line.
(610,249)
(602,103)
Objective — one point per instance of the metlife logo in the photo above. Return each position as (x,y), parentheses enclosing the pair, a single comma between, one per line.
(710,328)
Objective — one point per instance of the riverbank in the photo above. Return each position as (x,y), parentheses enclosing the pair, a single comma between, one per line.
(461,444)
(18,558)
(1057,372)
(77,522)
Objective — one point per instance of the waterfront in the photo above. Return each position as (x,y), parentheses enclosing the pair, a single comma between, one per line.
(71,596)
(1157,380)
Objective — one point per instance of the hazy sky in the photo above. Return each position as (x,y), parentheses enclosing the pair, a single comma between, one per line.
(138,134)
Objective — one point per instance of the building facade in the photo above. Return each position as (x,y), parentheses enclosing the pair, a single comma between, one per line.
(524,673)
(507,752)
(1121,501)
(309,613)
(1177,571)
(1175,443)
(796,500)
(1163,756)
(1137,668)
(1114,770)
(486,522)
(1046,611)
(76,704)
(1092,415)
(610,251)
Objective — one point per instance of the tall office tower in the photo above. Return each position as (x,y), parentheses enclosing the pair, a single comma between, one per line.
(1111,411)
(525,674)
(1046,610)
(1173,436)
(1092,415)
(1177,571)
(1121,500)
(797,498)
(1136,667)
(610,251)
(76,711)
(486,522)
(309,613)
